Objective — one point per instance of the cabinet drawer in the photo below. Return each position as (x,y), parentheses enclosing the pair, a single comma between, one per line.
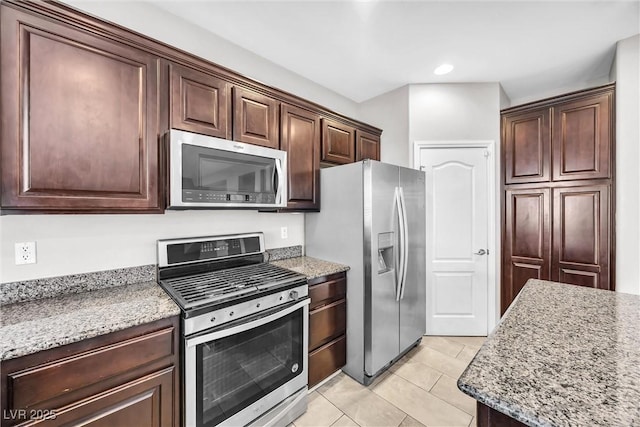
(147,401)
(325,292)
(40,383)
(326,360)
(327,323)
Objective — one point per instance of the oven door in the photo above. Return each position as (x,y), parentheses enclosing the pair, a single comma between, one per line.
(238,372)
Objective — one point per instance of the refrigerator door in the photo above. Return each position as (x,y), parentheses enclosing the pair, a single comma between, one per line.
(381,310)
(413,300)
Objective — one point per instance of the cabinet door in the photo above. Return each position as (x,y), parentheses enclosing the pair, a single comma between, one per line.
(255,118)
(200,103)
(80,119)
(527,240)
(581,252)
(582,138)
(527,146)
(338,142)
(327,359)
(327,323)
(367,146)
(146,402)
(301,141)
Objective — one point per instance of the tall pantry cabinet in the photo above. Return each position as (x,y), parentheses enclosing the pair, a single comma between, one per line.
(558,157)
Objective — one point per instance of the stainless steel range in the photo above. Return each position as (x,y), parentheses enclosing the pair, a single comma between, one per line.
(245,330)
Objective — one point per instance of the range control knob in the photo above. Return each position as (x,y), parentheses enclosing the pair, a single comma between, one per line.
(293,295)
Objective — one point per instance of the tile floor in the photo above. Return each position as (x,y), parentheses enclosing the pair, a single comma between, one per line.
(419,390)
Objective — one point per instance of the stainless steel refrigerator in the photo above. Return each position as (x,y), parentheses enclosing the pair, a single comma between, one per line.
(372,219)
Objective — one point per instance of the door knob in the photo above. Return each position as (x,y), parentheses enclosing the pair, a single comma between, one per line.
(481,252)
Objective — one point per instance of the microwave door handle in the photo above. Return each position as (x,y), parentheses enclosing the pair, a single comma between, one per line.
(278,181)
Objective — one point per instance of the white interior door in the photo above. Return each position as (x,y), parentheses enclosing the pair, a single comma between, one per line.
(457,219)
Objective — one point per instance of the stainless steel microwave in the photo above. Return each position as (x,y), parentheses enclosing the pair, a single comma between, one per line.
(207,172)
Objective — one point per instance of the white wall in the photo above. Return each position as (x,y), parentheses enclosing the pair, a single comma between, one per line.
(462,111)
(458,111)
(69,244)
(626,73)
(505,102)
(175,31)
(390,112)
(561,90)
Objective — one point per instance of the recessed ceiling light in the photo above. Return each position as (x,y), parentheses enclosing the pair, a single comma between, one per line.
(443,69)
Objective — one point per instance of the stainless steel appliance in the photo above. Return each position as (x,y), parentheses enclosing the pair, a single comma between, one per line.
(207,172)
(245,331)
(372,219)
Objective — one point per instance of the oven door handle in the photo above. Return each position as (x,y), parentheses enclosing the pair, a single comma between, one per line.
(251,323)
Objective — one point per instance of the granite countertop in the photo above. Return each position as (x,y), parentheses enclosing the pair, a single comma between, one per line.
(311,267)
(32,326)
(563,355)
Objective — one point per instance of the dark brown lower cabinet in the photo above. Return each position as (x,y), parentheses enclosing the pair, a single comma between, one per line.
(527,240)
(581,230)
(128,377)
(327,326)
(489,417)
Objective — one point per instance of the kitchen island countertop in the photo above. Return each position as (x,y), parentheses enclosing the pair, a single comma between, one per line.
(563,355)
(311,267)
(32,326)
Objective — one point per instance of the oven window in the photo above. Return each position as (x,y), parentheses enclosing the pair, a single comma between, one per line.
(235,371)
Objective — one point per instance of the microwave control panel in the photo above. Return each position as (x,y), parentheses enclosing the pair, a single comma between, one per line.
(196,196)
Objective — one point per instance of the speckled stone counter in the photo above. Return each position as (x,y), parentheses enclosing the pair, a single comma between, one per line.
(311,267)
(28,290)
(32,326)
(563,355)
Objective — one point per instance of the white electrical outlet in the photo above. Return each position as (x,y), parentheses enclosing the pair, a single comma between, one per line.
(284,232)
(25,253)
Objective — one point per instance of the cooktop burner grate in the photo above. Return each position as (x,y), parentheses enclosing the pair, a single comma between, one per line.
(217,286)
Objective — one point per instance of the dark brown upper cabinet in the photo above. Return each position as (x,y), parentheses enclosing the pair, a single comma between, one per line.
(200,102)
(527,146)
(582,138)
(338,142)
(85,104)
(300,130)
(367,145)
(79,119)
(255,118)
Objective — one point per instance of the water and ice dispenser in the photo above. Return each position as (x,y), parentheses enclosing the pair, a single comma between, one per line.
(385,252)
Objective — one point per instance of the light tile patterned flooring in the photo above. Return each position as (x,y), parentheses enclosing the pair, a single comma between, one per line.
(419,390)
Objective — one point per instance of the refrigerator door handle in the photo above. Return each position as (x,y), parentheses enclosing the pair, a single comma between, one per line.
(400,248)
(405,248)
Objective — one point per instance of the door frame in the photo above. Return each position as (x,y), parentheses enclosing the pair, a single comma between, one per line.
(493,239)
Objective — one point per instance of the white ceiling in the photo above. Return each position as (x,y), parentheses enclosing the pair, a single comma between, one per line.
(361,49)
